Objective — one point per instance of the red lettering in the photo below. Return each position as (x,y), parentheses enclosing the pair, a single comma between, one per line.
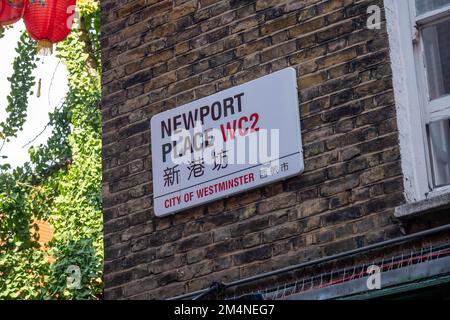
(229,132)
(172,202)
(242,132)
(255,118)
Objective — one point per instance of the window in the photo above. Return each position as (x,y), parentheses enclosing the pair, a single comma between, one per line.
(419,32)
(431,19)
(425,6)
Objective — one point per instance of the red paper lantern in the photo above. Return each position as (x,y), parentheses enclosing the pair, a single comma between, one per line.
(11,11)
(49,21)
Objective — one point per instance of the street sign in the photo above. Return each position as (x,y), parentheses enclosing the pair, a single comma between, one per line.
(227,143)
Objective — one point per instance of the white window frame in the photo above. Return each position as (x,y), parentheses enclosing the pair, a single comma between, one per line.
(411,95)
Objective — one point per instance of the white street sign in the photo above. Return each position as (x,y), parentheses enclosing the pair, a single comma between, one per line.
(230,142)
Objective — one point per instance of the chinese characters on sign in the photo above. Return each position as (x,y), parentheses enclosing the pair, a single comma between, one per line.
(196,168)
(230,142)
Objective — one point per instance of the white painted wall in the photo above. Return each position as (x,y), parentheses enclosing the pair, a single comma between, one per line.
(38,108)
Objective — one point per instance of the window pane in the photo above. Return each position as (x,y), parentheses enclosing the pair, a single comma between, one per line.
(439,137)
(437,51)
(423,6)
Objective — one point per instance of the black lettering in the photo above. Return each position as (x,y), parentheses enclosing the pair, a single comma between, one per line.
(166,129)
(189,121)
(166,149)
(216,106)
(176,122)
(238,97)
(204,111)
(228,103)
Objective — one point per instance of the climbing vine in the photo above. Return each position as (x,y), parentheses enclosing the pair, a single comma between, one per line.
(61,182)
(21,82)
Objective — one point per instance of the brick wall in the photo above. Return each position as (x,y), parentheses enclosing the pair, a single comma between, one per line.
(45,232)
(161,54)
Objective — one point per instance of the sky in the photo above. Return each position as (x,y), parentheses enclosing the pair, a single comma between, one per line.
(38,108)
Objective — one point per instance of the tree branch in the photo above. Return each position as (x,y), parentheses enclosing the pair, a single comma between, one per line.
(88,47)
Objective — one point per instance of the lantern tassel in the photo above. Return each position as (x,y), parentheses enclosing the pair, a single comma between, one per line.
(45,47)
